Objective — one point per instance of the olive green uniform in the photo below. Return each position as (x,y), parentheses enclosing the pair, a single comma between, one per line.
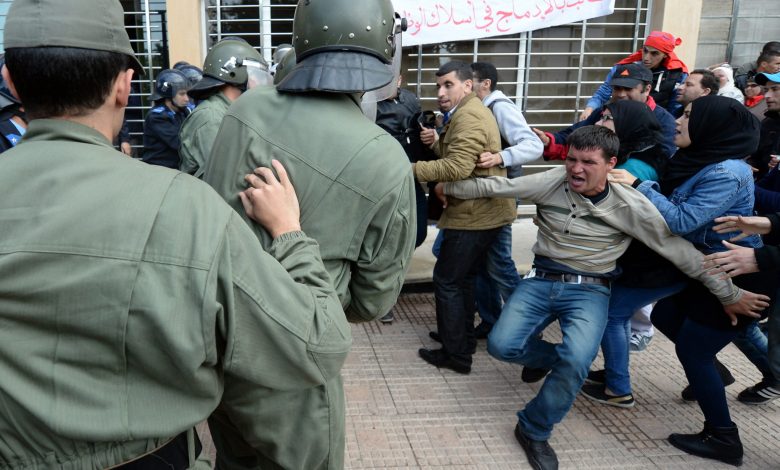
(356,194)
(134,301)
(199,131)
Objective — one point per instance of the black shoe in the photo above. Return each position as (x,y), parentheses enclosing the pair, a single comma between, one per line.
(760,393)
(482,330)
(434,335)
(530,375)
(597,392)
(598,377)
(721,444)
(725,376)
(439,358)
(540,455)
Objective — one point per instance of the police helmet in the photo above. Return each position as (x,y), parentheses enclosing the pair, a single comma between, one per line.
(192,72)
(343,53)
(231,62)
(169,82)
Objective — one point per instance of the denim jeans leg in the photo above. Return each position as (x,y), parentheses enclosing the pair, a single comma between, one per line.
(453,282)
(754,345)
(581,310)
(502,277)
(487,296)
(624,301)
(525,315)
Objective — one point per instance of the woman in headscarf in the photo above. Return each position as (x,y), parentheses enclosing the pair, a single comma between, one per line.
(669,72)
(706,178)
(725,76)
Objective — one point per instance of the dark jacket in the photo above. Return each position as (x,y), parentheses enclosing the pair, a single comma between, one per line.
(161,136)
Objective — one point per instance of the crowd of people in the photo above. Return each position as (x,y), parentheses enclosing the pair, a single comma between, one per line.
(215,280)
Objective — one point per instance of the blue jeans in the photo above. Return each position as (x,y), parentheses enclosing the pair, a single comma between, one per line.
(497,277)
(624,301)
(753,344)
(453,288)
(581,310)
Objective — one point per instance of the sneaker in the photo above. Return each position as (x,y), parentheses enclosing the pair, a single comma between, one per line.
(597,377)
(638,342)
(388,318)
(539,453)
(759,393)
(597,392)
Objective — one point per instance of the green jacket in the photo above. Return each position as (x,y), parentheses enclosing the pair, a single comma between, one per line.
(356,194)
(134,301)
(471,130)
(198,132)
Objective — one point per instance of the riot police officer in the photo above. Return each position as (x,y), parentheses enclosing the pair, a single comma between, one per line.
(164,120)
(354,185)
(230,68)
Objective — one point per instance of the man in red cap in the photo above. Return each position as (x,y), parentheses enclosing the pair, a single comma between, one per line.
(669,71)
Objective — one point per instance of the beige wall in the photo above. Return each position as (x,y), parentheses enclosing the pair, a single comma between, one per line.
(185,31)
(680,18)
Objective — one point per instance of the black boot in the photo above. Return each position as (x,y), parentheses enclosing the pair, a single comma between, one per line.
(712,443)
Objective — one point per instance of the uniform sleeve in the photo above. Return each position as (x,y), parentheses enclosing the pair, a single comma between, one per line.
(197,138)
(388,244)
(641,220)
(603,93)
(525,146)
(283,339)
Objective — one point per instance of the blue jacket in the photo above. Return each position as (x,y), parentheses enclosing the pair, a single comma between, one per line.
(664,90)
(719,189)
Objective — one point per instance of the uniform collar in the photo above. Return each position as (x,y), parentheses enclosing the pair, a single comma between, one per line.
(63,129)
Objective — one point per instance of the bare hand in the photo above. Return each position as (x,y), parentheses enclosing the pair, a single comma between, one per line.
(586,113)
(542,136)
(747,225)
(126,148)
(773,161)
(489,160)
(428,136)
(738,260)
(621,176)
(270,202)
(438,190)
(750,305)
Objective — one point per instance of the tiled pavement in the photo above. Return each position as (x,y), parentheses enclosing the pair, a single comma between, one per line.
(404,413)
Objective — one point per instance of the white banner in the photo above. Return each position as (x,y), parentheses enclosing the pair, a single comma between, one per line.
(435,21)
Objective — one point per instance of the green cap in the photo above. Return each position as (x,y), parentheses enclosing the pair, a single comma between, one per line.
(86,24)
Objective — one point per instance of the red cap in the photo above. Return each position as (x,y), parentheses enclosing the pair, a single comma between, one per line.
(662,41)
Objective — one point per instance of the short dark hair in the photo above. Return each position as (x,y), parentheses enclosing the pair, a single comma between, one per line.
(461,69)
(708,80)
(771,46)
(485,71)
(63,81)
(766,56)
(595,138)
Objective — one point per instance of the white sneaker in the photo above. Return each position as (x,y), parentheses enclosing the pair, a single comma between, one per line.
(638,342)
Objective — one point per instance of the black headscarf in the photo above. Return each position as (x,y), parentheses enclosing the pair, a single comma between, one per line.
(639,132)
(720,129)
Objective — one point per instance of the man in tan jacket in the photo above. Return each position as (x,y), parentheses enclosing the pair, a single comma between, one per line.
(471,225)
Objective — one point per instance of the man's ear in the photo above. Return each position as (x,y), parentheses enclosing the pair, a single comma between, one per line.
(9,81)
(707,91)
(123,87)
(469,84)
